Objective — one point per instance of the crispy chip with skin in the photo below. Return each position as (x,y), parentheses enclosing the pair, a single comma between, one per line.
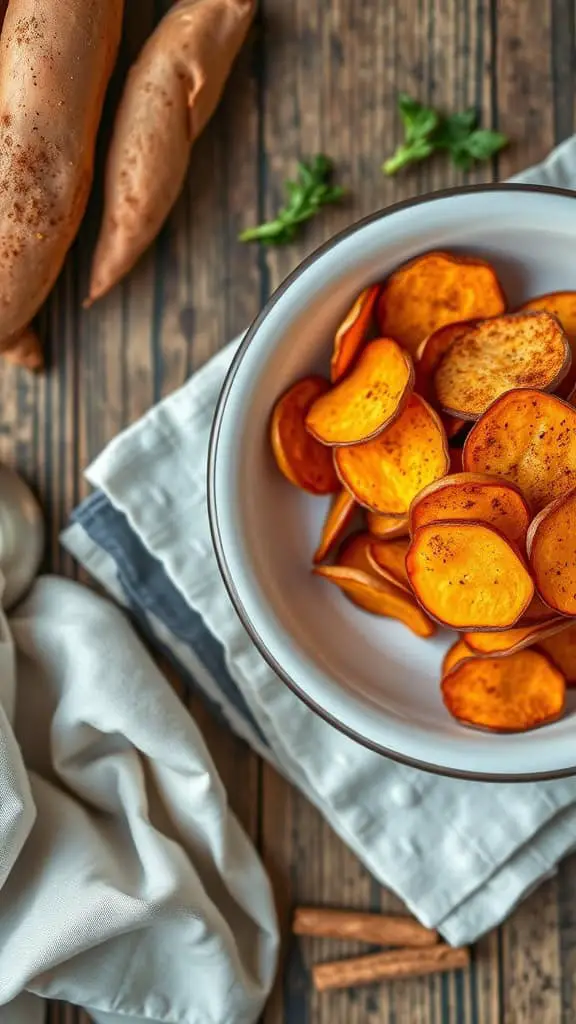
(561,649)
(551,544)
(474,496)
(302,460)
(388,558)
(385,474)
(454,655)
(352,332)
(366,401)
(499,645)
(387,527)
(378,597)
(563,306)
(517,350)
(353,553)
(527,437)
(338,518)
(468,576)
(513,694)
(433,290)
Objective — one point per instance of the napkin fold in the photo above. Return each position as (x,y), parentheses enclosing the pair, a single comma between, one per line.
(460,854)
(127,886)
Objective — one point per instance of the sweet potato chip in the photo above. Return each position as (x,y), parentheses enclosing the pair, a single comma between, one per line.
(387,527)
(378,596)
(386,474)
(561,649)
(563,306)
(495,356)
(536,611)
(485,499)
(368,400)
(338,518)
(353,332)
(510,694)
(500,644)
(354,553)
(551,547)
(302,460)
(454,655)
(468,576)
(436,289)
(527,437)
(388,558)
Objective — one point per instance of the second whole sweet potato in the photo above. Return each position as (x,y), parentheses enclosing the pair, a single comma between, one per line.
(171,93)
(55,62)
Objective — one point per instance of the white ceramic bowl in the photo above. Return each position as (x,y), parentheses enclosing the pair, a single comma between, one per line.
(370,677)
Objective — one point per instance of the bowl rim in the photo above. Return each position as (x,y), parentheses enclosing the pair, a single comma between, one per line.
(213,519)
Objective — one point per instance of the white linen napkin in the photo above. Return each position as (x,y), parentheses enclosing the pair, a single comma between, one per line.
(127,886)
(461,855)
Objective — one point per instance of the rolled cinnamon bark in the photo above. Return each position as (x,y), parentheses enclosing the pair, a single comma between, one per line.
(391,965)
(382,929)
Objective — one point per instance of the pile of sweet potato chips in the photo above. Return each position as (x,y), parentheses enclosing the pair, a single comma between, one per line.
(449,426)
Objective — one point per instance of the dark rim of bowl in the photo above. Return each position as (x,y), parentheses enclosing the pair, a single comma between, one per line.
(213,512)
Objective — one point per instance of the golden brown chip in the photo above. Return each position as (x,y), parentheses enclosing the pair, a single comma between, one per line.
(302,460)
(433,290)
(457,653)
(551,546)
(510,694)
(468,576)
(369,399)
(517,350)
(387,527)
(474,496)
(354,553)
(510,640)
(388,558)
(338,518)
(561,649)
(353,332)
(527,437)
(563,306)
(378,596)
(385,474)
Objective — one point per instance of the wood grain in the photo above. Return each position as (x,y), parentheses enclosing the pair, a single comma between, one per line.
(316,75)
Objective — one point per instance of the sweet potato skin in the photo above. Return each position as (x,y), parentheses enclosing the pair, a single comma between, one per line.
(48,125)
(170,94)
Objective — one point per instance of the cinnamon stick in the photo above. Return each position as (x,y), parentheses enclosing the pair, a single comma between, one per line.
(391,965)
(381,929)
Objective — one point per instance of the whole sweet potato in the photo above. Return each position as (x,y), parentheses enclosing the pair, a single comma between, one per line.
(55,62)
(171,93)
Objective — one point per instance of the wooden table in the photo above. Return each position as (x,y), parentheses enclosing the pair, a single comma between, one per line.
(318,75)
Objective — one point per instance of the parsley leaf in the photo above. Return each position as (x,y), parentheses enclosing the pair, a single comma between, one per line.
(311,190)
(427,131)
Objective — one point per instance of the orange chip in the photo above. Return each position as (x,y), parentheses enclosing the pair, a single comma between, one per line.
(387,527)
(468,576)
(563,306)
(494,356)
(354,553)
(551,547)
(510,694)
(388,558)
(378,596)
(474,496)
(527,437)
(436,289)
(339,517)
(561,649)
(302,460)
(536,611)
(510,640)
(457,653)
(369,399)
(386,474)
(352,332)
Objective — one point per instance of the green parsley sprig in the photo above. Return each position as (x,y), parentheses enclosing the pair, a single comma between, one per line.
(311,190)
(427,131)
